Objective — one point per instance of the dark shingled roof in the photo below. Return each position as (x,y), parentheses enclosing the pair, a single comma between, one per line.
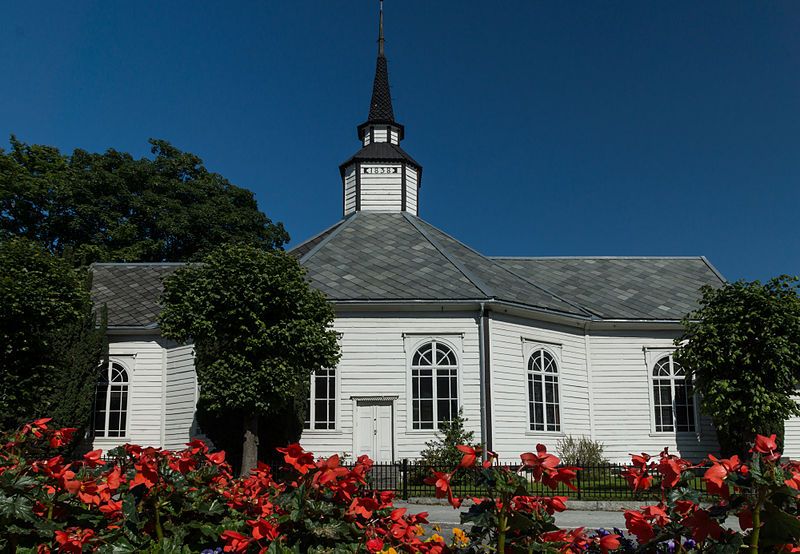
(380,151)
(131,291)
(623,287)
(396,257)
(380,107)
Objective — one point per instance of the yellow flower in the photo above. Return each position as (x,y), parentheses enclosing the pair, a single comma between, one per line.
(390,551)
(419,530)
(436,527)
(460,537)
(435,538)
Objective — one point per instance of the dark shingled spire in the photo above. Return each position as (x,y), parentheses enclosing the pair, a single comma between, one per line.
(380,109)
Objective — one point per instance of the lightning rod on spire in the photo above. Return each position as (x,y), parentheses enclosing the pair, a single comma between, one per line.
(380,30)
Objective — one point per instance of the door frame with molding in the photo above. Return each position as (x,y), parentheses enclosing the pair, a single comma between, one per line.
(375,399)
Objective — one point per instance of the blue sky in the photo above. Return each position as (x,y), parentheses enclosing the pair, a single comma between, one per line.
(559,128)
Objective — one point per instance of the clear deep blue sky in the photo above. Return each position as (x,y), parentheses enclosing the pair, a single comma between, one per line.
(560,128)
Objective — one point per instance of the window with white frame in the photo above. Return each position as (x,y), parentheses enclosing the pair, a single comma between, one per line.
(673,397)
(543,408)
(321,402)
(111,401)
(434,385)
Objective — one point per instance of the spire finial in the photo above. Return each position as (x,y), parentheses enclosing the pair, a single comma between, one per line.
(380,30)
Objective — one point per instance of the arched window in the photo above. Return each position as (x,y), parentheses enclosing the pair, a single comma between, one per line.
(434,385)
(321,403)
(543,409)
(673,397)
(111,401)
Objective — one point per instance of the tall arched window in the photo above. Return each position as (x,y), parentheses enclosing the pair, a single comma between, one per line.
(434,385)
(111,401)
(543,408)
(673,397)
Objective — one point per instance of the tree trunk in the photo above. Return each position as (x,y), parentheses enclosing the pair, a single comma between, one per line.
(250,444)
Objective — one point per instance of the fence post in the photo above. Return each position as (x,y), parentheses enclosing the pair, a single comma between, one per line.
(578,475)
(404,474)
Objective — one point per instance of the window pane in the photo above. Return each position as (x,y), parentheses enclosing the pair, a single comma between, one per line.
(426,413)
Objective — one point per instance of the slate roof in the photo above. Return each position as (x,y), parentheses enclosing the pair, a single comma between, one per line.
(380,151)
(380,107)
(623,287)
(397,257)
(131,291)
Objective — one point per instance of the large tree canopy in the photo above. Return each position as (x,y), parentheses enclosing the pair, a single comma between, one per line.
(50,346)
(742,349)
(112,207)
(259,331)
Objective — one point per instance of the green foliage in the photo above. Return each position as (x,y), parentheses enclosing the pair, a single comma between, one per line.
(580,451)
(742,349)
(112,207)
(259,329)
(51,346)
(442,451)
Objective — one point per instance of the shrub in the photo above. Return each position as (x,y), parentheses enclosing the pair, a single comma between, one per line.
(581,451)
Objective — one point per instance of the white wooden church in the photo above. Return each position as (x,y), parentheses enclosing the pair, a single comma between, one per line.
(531,349)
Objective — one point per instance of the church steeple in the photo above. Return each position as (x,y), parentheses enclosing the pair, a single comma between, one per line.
(381,176)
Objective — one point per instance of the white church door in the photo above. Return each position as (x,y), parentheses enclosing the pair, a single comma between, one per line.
(374,429)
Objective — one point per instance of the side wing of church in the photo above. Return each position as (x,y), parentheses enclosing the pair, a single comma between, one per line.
(529,349)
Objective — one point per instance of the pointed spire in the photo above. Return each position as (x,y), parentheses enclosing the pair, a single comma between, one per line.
(380,108)
(380,31)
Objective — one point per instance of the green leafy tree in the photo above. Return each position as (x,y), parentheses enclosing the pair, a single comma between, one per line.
(113,207)
(259,331)
(742,350)
(51,346)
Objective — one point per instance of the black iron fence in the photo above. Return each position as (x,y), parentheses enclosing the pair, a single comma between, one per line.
(605,482)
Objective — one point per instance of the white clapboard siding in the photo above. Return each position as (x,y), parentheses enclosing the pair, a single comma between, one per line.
(791,438)
(350,190)
(146,377)
(411,190)
(512,340)
(181,397)
(381,192)
(375,362)
(622,398)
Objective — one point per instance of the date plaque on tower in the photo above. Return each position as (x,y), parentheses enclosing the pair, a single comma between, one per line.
(379,170)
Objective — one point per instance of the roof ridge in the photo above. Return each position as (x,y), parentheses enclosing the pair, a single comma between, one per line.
(596,257)
(471,277)
(316,236)
(95,264)
(495,264)
(342,224)
(714,270)
(581,307)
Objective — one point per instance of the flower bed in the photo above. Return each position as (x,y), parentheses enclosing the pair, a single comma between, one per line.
(153,500)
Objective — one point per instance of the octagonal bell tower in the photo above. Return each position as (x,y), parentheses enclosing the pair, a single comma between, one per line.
(381,176)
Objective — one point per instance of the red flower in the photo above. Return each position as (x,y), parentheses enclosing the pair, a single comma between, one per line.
(638,478)
(61,437)
(470,456)
(263,529)
(363,507)
(638,525)
(73,539)
(540,462)
(235,542)
(441,481)
(217,458)
(295,456)
(715,475)
(93,458)
(375,545)
(767,446)
(609,542)
(703,526)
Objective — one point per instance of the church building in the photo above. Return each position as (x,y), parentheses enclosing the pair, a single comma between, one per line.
(530,349)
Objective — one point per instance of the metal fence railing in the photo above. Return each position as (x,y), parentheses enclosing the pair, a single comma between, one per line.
(603,482)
